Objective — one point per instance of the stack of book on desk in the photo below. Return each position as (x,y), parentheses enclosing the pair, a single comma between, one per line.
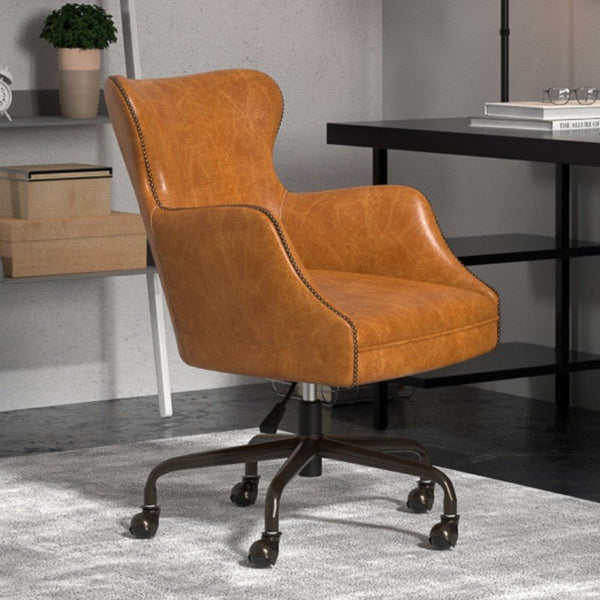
(541,116)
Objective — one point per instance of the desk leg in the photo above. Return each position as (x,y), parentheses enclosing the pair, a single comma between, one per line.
(380,166)
(562,278)
(159,341)
(380,400)
(380,406)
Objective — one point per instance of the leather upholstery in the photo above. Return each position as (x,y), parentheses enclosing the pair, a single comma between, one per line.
(341,287)
(380,230)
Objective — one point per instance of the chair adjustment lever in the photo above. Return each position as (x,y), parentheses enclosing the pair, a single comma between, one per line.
(271,421)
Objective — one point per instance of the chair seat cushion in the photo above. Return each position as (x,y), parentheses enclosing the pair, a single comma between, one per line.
(405,326)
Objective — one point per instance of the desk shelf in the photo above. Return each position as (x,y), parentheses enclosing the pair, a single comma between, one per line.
(508,361)
(514,247)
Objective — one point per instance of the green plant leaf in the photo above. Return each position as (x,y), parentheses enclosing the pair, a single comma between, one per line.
(74,25)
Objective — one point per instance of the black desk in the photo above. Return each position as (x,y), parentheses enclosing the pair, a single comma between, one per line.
(456,136)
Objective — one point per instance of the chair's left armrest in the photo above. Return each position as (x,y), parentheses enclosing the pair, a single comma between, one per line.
(379,230)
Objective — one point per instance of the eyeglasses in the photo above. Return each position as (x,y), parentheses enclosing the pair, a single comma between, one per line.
(561,95)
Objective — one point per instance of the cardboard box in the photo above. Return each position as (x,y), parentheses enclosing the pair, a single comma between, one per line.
(54,191)
(79,245)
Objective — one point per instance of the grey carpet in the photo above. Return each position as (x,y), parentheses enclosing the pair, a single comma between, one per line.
(346,535)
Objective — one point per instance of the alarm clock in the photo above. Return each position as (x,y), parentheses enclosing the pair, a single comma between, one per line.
(5,92)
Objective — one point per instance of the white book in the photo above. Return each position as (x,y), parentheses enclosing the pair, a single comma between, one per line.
(542,110)
(536,124)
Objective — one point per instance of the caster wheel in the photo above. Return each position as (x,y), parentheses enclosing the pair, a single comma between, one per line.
(263,553)
(245,492)
(443,536)
(420,500)
(145,524)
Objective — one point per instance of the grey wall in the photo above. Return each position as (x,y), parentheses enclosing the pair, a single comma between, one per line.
(73,341)
(90,340)
(442,58)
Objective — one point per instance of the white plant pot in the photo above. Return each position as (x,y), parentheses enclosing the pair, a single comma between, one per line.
(78,82)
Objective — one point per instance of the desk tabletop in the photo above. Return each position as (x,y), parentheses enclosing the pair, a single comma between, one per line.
(456,136)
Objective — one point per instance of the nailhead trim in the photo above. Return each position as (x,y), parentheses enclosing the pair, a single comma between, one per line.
(313,291)
(261,209)
(142,142)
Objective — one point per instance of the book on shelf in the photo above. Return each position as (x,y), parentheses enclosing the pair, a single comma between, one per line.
(54,191)
(542,110)
(536,124)
(54,171)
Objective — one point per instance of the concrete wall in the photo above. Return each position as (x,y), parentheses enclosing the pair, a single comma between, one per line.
(74,341)
(442,58)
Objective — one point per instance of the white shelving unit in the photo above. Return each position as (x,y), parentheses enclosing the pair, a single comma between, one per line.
(39,108)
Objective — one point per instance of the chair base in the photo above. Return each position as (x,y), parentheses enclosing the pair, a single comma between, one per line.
(303,454)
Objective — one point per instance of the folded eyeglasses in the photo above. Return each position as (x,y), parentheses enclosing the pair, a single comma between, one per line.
(561,95)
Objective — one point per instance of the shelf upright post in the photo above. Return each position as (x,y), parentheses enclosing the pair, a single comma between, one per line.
(562,279)
(155,292)
(380,166)
(504,64)
(380,390)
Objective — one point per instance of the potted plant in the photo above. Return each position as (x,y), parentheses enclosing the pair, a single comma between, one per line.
(79,31)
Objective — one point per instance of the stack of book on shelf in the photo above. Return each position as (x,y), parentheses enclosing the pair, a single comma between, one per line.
(57,219)
(540,116)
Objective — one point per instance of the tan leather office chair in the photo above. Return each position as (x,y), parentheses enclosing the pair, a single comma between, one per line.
(340,287)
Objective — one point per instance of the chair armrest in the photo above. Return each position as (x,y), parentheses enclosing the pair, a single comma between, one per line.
(380,230)
(240,299)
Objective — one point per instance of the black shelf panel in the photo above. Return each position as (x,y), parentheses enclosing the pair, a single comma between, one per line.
(511,360)
(581,248)
(514,247)
(90,275)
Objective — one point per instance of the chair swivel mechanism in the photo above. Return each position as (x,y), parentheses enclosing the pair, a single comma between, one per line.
(340,287)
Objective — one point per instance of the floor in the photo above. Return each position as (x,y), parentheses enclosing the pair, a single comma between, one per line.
(477,431)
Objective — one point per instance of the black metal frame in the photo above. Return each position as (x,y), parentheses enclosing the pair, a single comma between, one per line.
(454,136)
(562,296)
(303,454)
(504,63)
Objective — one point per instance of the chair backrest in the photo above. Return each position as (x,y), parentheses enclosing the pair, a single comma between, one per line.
(199,152)
(196,140)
